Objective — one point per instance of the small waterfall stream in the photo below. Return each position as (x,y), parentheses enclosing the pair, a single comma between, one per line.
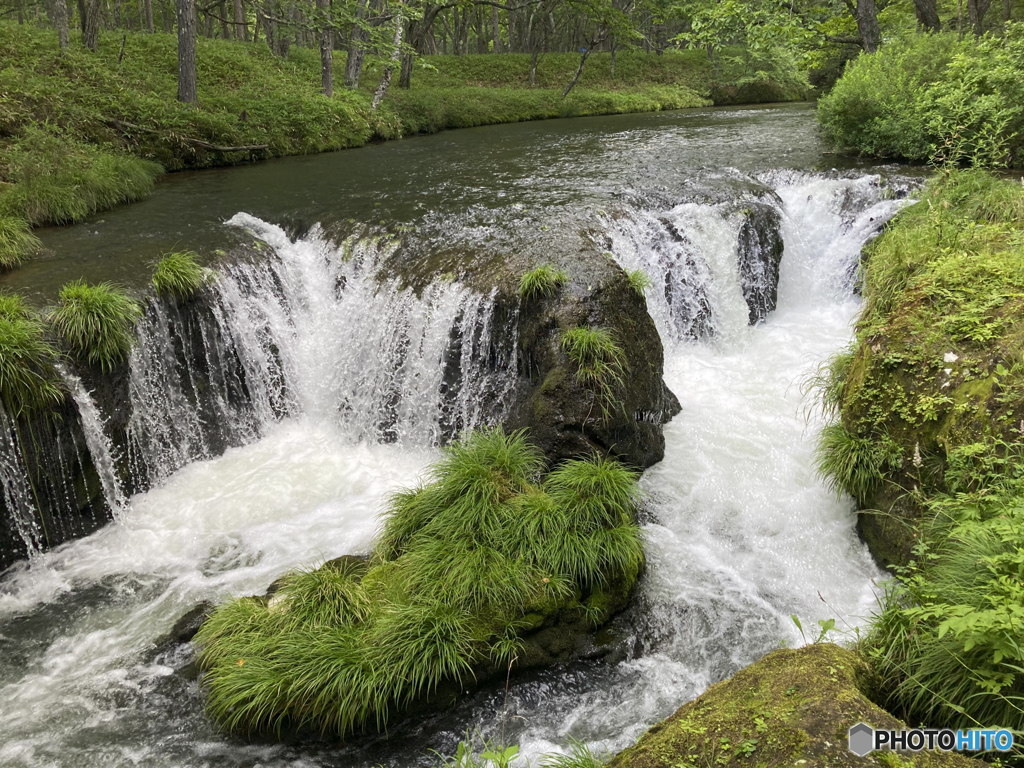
(313,390)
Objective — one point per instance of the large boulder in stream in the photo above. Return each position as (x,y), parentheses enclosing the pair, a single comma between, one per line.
(564,412)
(791,708)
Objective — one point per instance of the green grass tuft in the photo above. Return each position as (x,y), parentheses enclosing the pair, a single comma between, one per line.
(17,242)
(97,322)
(639,281)
(28,379)
(541,282)
(600,363)
(461,561)
(179,275)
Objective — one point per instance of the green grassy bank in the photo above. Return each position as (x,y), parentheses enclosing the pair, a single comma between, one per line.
(928,435)
(81,132)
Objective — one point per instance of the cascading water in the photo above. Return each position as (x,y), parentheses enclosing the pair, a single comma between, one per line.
(332,388)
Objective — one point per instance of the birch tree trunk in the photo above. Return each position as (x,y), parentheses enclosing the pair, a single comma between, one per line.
(326,48)
(396,49)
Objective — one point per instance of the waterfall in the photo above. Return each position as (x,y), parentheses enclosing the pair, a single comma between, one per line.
(22,515)
(100,448)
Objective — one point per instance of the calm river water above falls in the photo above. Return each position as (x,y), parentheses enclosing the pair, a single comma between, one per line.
(743,533)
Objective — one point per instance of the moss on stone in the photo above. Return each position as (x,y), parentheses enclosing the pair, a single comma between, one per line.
(792,708)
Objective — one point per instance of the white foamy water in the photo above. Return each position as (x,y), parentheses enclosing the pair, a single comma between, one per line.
(746,534)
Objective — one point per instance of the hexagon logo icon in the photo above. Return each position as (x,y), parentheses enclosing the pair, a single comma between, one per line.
(862,739)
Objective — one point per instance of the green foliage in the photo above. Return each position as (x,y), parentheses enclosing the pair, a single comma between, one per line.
(947,639)
(96,321)
(639,281)
(852,464)
(934,97)
(16,241)
(541,282)
(462,561)
(600,362)
(579,756)
(28,380)
(179,275)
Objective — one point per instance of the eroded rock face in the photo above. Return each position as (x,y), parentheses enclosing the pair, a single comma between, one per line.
(759,258)
(791,708)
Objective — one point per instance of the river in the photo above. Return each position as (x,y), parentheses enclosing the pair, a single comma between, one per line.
(742,533)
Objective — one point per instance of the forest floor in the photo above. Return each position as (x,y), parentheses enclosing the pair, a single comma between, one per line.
(81,132)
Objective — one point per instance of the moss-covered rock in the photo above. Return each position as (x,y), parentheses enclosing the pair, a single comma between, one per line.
(932,390)
(565,413)
(792,708)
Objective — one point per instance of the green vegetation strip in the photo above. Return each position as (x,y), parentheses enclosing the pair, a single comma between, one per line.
(468,562)
(934,97)
(928,438)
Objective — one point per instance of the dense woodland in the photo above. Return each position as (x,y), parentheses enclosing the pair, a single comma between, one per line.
(816,35)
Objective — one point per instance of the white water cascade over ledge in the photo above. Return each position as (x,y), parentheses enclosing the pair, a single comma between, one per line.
(745,532)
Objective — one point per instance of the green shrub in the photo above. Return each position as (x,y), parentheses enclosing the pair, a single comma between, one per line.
(933,97)
(96,321)
(16,241)
(947,640)
(879,106)
(179,275)
(541,282)
(465,563)
(28,379)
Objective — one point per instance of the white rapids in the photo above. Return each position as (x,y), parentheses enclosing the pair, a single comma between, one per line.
(746,534)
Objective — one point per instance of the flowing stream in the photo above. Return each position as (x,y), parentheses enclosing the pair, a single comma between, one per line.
(350,384)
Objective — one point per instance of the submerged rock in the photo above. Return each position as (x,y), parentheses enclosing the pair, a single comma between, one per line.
(791,708)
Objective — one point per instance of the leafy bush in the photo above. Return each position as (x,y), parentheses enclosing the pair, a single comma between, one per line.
(879,106)
(16,241)
(466,562)
(28,380)
(179,275)
(933,97)
(541,282)
(96,321)
(947,640)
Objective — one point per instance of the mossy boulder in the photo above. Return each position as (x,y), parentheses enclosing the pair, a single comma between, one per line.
(564,414)
(930,395)
(792,708)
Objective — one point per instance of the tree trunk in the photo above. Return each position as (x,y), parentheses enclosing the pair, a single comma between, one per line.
(579,71)
(354,59)
(91,25)
(533,66)
(396,48)
(405,72)
(241,27)
(59,10)
(496,28)
(866,15)
(21,13)
(615,48)
(326,48)
(1006,11)
(187,23)
(928,15)
(976,10)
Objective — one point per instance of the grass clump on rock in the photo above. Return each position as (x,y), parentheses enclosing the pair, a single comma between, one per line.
(600,362)
(541,282)
(467,563)
(179,275)
(639,280)
(96,322)
(28,379)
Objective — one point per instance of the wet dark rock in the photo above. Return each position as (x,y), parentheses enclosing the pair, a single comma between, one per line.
(759,258)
